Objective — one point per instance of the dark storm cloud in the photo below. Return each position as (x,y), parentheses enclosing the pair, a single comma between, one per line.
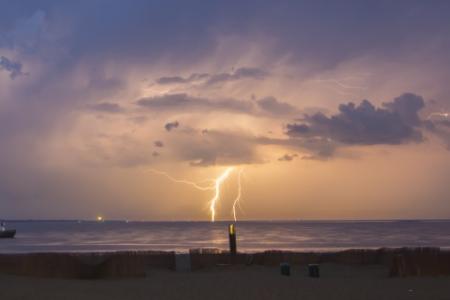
(205,148)
(268,106)
(178,79)
(104,30)
(185,102)
(441,129)
(287,157)
(171,125)
(407,107)
(364,124)
(27,33)
(212,79)
(241,73)
(213,147)
(319,148)
(275,107)
(106,107)
(14,68)
(171,80)
(313,31)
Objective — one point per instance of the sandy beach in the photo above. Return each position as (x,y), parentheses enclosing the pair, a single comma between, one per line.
(416,273)
(235,282)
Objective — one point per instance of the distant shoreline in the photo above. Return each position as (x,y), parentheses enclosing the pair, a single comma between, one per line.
(232,221)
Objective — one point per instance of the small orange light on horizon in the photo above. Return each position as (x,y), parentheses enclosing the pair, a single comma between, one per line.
(99,218)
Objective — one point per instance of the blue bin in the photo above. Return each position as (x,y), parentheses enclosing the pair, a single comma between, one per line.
(313,270)
(285,269)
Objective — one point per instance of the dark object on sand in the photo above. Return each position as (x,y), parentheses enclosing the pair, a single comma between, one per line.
(8,233)
(285,269)
(313,270)
(232,236)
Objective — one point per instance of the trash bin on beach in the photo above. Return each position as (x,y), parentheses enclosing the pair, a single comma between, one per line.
(313,270)
(285,269)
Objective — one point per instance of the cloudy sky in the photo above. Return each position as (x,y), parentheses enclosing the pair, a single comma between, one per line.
(332,110)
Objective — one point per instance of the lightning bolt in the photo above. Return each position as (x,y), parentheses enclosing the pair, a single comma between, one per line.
(218,183)
(192,183)
(238,196)
(210,185)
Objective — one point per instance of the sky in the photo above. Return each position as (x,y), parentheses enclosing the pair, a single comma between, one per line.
(323,110)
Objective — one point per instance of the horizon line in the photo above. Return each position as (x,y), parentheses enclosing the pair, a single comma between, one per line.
(223,221)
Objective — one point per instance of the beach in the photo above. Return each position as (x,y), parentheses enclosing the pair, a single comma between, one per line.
(235,282)
(419,273)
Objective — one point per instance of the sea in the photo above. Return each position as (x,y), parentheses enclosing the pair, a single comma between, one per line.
(252,236)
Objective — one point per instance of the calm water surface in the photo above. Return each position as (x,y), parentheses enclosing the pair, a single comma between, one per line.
(46,236)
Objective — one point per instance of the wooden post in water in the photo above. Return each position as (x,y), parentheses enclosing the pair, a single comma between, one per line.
(232,237)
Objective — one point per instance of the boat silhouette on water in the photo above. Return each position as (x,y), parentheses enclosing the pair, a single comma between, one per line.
(10,233)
